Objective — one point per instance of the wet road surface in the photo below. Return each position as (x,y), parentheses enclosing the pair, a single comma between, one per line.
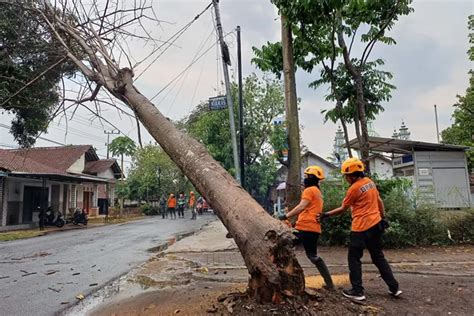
(43,275)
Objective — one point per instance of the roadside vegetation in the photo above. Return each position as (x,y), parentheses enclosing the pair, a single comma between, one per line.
(412,223)
(20,234)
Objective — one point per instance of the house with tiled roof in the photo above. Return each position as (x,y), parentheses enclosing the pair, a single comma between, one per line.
(63,178)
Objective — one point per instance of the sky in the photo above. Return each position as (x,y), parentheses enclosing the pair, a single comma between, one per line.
(429,64)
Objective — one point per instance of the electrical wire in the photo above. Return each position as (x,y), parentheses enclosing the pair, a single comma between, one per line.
(171,41)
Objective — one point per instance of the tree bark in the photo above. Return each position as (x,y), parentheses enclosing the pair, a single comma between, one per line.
(360,101)
(122,200)
(346,136)
(266,244)
(293,180)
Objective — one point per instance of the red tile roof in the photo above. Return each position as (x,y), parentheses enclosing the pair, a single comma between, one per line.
(12,161)
(43,159)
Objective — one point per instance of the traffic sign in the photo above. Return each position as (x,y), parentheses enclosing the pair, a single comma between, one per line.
(218,103)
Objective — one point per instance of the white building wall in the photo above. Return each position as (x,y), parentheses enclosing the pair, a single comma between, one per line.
(381,167)
(107,174)
(79,165)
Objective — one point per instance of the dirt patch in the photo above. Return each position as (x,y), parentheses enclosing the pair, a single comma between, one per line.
(422,295)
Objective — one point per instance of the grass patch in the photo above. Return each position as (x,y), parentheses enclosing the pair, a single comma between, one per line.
(21,234)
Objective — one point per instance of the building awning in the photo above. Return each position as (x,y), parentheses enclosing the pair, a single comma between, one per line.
(399,146)
(74,178)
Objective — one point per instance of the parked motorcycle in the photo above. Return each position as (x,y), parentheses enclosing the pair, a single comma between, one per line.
(79,217)
(51,219)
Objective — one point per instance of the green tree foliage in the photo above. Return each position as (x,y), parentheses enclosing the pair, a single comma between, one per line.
(461,132)
(263,102)
(31,66)
(153,174)
(320,31)
(122,146)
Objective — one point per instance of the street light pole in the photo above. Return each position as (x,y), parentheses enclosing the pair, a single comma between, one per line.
(230,103)
(114,131)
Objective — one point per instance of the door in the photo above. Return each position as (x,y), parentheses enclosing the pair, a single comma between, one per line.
(32,202)
(87,201)
(451,189)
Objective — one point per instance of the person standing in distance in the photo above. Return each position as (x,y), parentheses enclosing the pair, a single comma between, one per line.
(368,225)
(308,228)
(192,204)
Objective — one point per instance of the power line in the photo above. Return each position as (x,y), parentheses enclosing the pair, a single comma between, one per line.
(173,39)
(185,69)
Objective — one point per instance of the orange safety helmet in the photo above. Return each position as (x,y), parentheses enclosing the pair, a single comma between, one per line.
(352,165)
(315,171)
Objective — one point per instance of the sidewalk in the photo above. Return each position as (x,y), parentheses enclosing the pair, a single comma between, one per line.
(188,277)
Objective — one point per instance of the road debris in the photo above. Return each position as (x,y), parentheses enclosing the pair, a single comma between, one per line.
(50,272)
(53,289)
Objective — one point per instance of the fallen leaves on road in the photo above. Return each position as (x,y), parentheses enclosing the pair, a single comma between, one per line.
(80,297)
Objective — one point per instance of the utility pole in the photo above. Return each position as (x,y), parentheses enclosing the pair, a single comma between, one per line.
(114,131)
(437,127)
(241,110)
(107,185)
(230,103)
(293,179)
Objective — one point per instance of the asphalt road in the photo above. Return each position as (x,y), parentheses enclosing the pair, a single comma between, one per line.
(43,275)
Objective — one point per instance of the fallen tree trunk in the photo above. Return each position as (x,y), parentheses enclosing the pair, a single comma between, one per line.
(265,243)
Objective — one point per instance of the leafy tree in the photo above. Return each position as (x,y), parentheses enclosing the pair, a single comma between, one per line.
(461,132)
(32,64)
(263,102)
(153,173)
(122,146)
(320,30)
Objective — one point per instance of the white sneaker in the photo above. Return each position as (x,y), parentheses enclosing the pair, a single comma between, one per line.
(397,293)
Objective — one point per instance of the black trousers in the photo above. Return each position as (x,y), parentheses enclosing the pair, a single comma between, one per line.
(181,211)
(372,240)
(310,243)
(172,212)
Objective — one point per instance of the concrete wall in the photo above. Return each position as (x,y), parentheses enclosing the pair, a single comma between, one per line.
(442,178)
(381,167)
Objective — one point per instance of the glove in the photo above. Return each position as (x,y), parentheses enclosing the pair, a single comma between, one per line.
(385,224)
(282,217)
(321,217)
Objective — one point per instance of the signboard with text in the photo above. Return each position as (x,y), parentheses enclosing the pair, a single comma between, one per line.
(218,103)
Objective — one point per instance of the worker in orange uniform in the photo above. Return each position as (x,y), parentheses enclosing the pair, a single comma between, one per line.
(368,225)
(172,206)
(307,226)
(192,204)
